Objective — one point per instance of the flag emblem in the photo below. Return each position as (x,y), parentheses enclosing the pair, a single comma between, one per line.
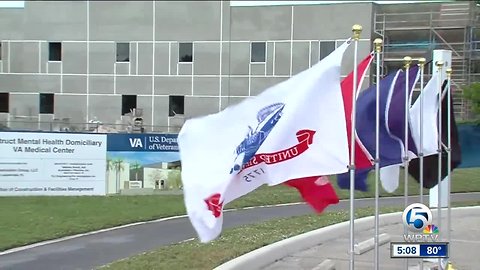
(214,204)
(305,139)
(267,118)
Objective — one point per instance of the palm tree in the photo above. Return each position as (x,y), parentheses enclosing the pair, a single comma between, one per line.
(118,167)
(109,167)
(136,167)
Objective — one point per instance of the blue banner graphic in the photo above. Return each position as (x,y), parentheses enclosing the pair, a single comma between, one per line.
(142,142)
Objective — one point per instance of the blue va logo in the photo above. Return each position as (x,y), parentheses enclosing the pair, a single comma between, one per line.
(267,118)
(416,217)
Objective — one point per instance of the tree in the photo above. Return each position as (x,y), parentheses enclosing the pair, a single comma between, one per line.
(118,167)
(109,167)
(472,93)
(136,167)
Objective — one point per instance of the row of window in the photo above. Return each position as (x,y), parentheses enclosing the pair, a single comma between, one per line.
(45,101)
(129,102)
(185,51)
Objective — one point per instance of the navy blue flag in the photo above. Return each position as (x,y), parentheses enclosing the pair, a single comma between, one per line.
(392,116)
(396,110)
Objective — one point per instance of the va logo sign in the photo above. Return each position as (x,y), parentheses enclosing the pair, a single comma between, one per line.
(136,142)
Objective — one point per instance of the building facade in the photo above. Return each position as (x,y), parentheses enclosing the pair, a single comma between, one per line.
(67,63)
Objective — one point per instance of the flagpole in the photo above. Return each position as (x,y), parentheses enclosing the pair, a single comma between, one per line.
(357,30)
(449,154)
(407,60)
(439,150)
(421,64)
(378,49)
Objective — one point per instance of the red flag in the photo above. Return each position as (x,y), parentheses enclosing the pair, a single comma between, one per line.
(318,192)
(363,159)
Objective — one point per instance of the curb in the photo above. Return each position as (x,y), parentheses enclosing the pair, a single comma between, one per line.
(57,240)
(53,241)
(267,255)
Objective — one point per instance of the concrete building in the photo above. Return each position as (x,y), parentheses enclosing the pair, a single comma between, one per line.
(71,62)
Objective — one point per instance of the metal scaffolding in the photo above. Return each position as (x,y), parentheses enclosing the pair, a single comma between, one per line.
(418,29)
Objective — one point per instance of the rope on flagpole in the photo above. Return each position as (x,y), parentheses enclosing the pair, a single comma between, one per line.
(449,156)
(421,64)
(378,49)
(407,60)
(439,65)
(357,30)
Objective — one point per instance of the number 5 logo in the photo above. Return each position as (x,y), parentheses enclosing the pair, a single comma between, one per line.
(416,217)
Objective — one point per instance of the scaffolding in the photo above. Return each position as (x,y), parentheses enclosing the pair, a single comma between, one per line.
(418,29)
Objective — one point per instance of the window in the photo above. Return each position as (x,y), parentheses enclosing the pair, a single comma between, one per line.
(4,102)
(176,105)
(185,52)
(129,102)
(326,47)
(123,52)
(0,51)
(46,103)
(54,51)
(257,53)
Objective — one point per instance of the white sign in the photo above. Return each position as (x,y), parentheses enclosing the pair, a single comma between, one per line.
(134,184)
(34,163)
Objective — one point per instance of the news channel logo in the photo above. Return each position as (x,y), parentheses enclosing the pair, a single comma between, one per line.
(417,218)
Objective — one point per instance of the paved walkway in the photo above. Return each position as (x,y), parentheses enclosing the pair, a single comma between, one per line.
(464,247)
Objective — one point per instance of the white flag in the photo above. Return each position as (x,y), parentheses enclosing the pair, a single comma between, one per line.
(292,130)
(430,121)
(390,175)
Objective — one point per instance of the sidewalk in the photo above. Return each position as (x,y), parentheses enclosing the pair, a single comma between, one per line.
(464,247)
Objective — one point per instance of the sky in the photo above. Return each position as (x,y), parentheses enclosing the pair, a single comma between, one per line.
(12,4)
(145,158)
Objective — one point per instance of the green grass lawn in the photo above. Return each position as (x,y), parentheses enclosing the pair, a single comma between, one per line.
(237,241)
(26,220)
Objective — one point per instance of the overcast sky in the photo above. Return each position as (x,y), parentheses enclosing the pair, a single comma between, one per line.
(12,4)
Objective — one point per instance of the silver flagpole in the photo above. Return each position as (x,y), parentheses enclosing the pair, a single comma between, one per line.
(357,30)
(407,61)
(449,155)
(378,50)
(421,63)
(439,150)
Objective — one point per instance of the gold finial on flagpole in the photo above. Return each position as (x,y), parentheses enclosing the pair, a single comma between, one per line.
(407,60)
(450,266)
(449,72)
(378,44)
(421,61)
(357,30)
(439,64)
